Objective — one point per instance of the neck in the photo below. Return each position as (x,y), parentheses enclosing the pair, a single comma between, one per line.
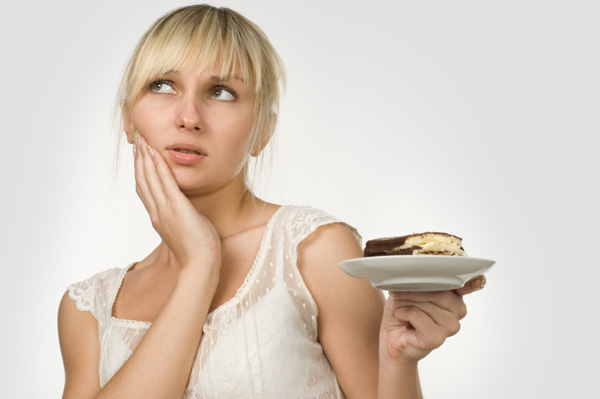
(230,209)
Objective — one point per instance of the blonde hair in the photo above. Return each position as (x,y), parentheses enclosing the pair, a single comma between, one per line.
(202,37)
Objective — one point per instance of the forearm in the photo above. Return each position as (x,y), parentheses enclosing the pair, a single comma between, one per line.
(160,366)
(398,380)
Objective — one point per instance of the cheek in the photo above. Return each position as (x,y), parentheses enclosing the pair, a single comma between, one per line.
(151,130)
(237,149)
(147,116)
(138,120)
(240,133)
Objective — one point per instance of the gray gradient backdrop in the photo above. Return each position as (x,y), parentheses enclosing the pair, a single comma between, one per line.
(478,118)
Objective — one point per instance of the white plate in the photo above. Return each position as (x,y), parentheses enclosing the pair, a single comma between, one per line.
(416,272)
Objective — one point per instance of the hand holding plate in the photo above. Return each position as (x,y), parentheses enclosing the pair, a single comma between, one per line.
(415,323)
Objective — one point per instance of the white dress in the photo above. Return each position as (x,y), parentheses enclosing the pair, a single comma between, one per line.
(262,343)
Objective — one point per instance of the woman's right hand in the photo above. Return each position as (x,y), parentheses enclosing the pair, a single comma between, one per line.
(189,235)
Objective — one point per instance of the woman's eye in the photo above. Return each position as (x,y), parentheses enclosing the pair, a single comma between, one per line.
(223,94)
(161,87)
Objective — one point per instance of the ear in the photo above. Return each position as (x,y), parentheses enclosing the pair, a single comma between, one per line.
(129,129)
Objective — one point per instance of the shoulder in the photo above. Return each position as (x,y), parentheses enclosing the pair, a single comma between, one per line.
(331,242)
(71,317)
(322,242)
(303,221)
(319,255)
(95,294)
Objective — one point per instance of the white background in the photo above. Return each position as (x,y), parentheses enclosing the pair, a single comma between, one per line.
(478,118)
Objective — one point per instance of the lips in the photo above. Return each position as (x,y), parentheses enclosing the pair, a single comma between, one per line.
(186,154)
(186,148)
(186,151)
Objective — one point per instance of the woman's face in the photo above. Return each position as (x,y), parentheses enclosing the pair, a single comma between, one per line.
(201,125)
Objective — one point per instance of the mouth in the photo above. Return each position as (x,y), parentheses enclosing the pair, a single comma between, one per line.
(185,151)
(186,154)
(186,148)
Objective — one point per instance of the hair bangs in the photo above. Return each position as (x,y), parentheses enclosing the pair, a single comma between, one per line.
(207,43)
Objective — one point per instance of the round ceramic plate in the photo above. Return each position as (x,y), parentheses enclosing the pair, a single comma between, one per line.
(416,272)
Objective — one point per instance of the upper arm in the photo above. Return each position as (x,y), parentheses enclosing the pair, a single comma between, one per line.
(350,310)
(78,335)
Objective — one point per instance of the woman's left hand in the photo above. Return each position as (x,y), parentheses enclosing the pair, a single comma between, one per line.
(415,323)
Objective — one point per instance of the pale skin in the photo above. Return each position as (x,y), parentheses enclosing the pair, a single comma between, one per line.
(210,235)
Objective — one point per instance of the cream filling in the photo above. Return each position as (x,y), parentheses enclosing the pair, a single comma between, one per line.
(434,243)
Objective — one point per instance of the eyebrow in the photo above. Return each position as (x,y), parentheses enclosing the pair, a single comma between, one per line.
(213,78)
(216,78)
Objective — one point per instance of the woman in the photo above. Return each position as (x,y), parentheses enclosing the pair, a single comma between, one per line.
(242,298)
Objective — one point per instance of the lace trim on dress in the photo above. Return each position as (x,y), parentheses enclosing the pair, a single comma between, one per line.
(128,322)
(90,295)
(305,223)
(82,295)
(244,287)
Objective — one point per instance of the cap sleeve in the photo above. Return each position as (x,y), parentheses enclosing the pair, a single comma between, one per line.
(305,220)
(96,294)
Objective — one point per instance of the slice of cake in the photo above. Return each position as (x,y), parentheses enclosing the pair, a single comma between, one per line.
(429,243)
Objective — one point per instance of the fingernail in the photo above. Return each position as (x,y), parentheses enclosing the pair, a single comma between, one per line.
(134,146)
(137,140)
(483,282)
(150,151)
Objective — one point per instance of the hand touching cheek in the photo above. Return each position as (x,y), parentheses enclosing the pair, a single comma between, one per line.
(189,235)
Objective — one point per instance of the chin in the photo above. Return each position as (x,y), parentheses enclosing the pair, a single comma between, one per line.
(188,183)
(191,187)
(196,183)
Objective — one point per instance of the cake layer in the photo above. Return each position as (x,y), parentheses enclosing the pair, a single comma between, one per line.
(429,243)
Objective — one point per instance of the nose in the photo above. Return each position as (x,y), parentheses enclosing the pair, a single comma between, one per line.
(189,116)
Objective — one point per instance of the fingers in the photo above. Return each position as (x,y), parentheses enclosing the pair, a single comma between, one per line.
(449,301)
(422,332)
(415,323)
(165,175)
(155,183)
(434,316)
(141,183)
(475,284)
(429,317)
(153,180)
(414,327)
(159,174)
